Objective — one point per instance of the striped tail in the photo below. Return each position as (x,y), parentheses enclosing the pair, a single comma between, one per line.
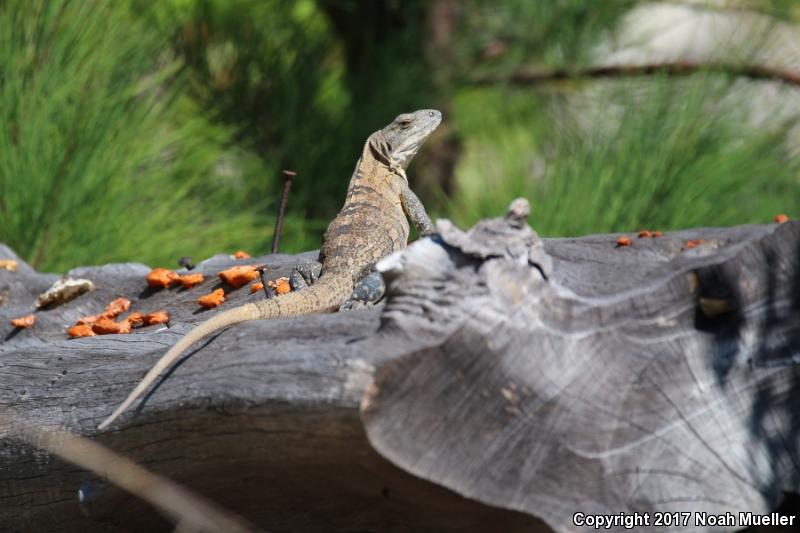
(326,295)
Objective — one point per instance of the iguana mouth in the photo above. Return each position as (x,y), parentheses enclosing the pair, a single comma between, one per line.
(408,132)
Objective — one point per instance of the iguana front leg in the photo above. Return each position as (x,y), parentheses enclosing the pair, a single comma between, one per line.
(368,291)
(415,212)
(371,288)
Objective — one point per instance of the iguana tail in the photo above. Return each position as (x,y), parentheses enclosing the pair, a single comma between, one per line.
(326,295)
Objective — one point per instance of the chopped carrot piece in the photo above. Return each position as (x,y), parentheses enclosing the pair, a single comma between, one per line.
(190,280)
(8,264)
(209,301)
(255,287)
(780,218)
(693,243)
(135,319)
(106,326)
(623,241)
(644,234)
(89,319)
(161,278)
(120,305)
(241,254)
(239,276)
(656,234)
(23,321)
(81,330)
(281,286)
(156,317)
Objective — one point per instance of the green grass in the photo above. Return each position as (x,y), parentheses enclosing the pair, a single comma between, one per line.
(623,156)
(103,157)
(145,131)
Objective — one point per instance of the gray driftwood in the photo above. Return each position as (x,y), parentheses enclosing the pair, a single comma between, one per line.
(500,397)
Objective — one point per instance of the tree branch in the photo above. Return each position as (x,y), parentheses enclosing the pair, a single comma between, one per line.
(530,76)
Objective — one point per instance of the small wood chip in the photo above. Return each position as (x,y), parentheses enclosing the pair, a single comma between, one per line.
(23,321)
(81,330)
(62,291)
(8,264)
(623,241)
(214,299)
(190,280)
(780,218)
(161,278)
(239,276)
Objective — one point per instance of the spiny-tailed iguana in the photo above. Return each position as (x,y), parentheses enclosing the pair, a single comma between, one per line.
(371,225)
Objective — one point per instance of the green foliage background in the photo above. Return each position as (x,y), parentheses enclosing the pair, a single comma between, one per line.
(144,131)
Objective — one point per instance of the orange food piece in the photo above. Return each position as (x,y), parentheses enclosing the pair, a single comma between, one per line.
(693,243)
(135,319)
(281,286)
(255,287)
(106,326)
(156,317)
(161,278)
(623,241)
(89,319)
(120,305)
(81,330)
(23,321)
(8,264)
(780,218)
(239,276)
(241,254)
(645,233)
(190,280)
(655,234)
(209,301)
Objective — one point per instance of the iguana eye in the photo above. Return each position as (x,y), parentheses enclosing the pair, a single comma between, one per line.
(404,121)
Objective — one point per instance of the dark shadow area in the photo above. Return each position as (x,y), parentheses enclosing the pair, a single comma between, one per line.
(764,306)
(719,312)
(148,292)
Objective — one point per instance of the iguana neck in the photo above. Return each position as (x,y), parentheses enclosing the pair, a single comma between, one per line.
(376,172)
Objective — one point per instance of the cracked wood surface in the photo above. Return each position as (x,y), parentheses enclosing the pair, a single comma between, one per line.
(594,392)
(606,390)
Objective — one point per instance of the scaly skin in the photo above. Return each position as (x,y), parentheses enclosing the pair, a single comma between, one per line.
(372,224)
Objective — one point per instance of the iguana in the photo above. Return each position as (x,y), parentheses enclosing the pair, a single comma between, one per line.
(371,225)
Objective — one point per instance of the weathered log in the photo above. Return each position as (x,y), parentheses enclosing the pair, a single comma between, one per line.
(262,420)
(654,378)
(604,389)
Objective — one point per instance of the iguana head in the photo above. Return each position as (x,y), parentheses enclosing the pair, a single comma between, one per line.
(407,132)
